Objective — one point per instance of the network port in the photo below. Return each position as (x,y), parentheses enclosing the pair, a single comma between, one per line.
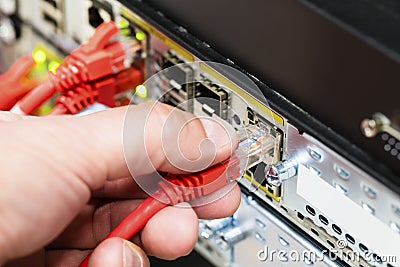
(176,71)
(212,97)
(50,20)
(178,77)
(52,3)
(99,12)
(251,117)
(174,98)
(53,15)
(275,155)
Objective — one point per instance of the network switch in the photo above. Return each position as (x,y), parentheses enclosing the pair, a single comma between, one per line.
(306,194)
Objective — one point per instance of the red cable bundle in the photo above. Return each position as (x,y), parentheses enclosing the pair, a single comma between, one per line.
(101,58)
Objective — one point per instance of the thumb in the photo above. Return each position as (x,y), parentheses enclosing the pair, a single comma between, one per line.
(119,253)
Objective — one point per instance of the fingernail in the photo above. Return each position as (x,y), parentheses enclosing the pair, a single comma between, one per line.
(219,131)
(133,256)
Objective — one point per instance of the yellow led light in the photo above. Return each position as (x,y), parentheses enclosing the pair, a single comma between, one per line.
(53,65)
(39,56)
(125,32)
(141,91)
(140,36)
(123,23)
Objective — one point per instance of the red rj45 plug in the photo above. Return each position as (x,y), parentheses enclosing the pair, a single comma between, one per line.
(176,189)
(102,91)
(103,55)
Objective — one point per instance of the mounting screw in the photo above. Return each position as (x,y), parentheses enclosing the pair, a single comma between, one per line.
(278,173)
(232,235)
(370,127)
(378,123)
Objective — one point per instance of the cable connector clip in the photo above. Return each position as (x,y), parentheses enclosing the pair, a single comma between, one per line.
(186,187)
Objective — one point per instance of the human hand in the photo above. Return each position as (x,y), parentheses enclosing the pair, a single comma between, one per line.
(65,184)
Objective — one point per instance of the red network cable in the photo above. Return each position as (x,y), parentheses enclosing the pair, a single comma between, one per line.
(102,91)
(179,188)
(13,82)
(101,57)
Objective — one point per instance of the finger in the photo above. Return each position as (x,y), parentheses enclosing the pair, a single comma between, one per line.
(226,204)
(67,257)
(171,233)
(123,188)
(99,217)
(171,140)
(133,139)
(119,253)
(112,252)
(173,225)
(93,224)
(35,259)
(94,145)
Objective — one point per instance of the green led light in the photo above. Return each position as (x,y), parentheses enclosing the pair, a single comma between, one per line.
(123,23)
(141,91)
(140,36)
(125,32)
(39,56)
(52,66)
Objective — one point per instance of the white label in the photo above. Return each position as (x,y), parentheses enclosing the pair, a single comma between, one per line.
(347,214)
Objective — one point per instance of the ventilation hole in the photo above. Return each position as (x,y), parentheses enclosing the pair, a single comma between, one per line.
(283,242)
(363,247)
(345,175)
(310,210)
(332,255)
(285,209)
(300,216)
(336,229)
(314,154)
(330,243)
(314,231)
(323,219)
(260,223)
(350,239)
(260,238)
(389,265)
(270,198)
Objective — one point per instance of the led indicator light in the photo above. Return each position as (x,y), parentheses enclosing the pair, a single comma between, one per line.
(53,65)
(141,91)
(39,56)
(123,23)
(140,36)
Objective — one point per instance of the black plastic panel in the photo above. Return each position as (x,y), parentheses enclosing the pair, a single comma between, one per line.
(320,65)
